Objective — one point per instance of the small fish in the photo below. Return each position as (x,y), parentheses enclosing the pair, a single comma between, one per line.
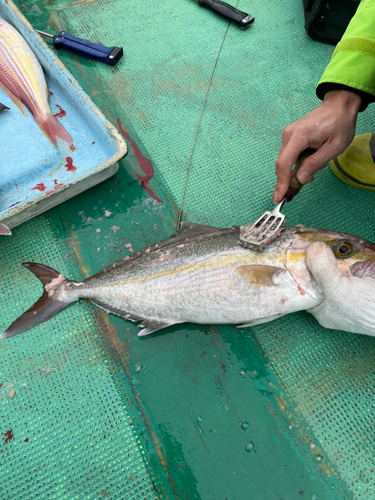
(4,230)
(22,78)
(3,107)
(203,275)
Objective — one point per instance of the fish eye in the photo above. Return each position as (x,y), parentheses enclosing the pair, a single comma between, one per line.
(343,249)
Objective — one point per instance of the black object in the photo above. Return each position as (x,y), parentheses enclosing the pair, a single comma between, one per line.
(327,20)
(230,13)
(2,107)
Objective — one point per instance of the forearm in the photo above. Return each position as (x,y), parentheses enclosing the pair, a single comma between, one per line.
(343,99)
(353,62)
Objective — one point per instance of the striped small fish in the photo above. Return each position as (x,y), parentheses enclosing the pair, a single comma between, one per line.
(22,78)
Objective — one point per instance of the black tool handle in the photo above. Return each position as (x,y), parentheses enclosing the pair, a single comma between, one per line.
(232,14)
(295,186)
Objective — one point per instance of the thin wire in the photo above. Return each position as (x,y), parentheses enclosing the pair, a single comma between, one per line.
(196,131)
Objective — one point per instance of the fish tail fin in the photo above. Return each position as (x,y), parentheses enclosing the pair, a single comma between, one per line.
(4,229)
(52,128)
(48,305)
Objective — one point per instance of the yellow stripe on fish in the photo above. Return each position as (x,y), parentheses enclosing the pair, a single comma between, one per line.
(26,75)
(24,61)
(224,261)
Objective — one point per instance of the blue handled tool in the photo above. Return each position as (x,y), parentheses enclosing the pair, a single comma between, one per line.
(85,48)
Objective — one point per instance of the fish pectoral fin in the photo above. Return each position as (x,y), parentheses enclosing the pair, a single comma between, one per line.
(15,99)
(260,321)
(259,274)
(150,326)
(114,310)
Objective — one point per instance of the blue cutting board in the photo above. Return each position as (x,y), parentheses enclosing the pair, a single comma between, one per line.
(29,181)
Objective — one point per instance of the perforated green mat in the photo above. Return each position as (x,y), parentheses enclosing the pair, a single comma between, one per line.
(280,411)
(65,429)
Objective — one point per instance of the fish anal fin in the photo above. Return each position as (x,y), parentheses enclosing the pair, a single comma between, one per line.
(15,99)
(261,275)
(114,310)
(150,326)
(260,321)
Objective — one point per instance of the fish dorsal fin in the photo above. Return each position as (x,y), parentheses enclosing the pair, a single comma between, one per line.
(15,99)
(188,230)
(259,274)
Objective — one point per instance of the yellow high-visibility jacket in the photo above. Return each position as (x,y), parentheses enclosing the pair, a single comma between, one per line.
(352,66)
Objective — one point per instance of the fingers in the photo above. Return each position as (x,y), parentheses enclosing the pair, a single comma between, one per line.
(328,129)
(321,262)
(317,161)
(289,152)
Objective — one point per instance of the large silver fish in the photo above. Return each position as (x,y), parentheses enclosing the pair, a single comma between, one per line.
(205,276)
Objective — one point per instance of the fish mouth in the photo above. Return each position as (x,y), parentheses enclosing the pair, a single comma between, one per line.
(363,269)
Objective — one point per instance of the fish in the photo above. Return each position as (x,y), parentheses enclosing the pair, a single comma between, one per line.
(4,230)
(203,275)
(22,78)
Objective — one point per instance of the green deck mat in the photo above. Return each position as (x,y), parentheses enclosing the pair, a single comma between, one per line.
(66,432)
(280,411)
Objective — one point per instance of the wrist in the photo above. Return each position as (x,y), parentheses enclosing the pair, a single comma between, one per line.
(344,99)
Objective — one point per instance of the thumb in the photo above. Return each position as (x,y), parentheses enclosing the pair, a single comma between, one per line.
(321,262)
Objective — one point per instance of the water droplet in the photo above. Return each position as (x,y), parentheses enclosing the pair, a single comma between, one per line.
(245,425)
(138,367)
(318,459)
(290,427)
(155,228)
(249,447)
(242,372)
(312,446)
(199,419)
(313,497)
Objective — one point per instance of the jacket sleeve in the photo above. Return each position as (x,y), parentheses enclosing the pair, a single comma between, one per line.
(352,65)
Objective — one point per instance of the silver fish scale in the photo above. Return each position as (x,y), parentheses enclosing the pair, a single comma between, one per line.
(203,275)
(175,252)
(197,281)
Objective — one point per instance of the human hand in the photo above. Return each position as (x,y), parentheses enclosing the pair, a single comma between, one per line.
(349,302)
(329,129)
